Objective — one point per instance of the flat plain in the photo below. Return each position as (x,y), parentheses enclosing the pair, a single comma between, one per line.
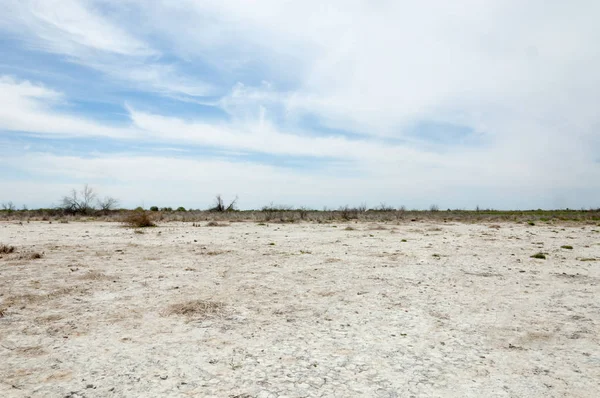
(246,309)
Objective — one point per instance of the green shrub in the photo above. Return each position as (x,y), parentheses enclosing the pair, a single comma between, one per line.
(154,208)
(539,255)
(180,208)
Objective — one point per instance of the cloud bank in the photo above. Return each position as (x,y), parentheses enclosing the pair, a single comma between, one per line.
(487,103)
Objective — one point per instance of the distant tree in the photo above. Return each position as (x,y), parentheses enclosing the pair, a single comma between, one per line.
(9,206)
(154,208)
(79,202)
(180,208)
(219,204)
(108,203)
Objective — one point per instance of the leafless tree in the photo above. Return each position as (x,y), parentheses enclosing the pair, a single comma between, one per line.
(219,204)
(79,202)
(108,203)
(9,206)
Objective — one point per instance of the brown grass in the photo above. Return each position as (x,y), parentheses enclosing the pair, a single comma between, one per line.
(196,308)
(30,256)
(138,219)
(215,224)
(94,276)
(6,249)
(24,299)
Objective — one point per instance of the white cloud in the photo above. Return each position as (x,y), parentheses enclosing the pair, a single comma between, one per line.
(78,30)
(28,108)
(525,76)
(375,66)
(70,27)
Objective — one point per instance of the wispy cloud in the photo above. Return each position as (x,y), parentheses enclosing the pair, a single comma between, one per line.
(79,31)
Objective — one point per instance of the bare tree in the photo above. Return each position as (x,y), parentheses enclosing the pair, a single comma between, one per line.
(79,202)
(9,206)
(233,205)
(108,203)
(219,204)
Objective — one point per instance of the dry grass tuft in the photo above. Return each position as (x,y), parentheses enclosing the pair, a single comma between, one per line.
(30,256)
(94,276)
(349,228)
(196,308)
(215,224)
(25,299)
(214,252)
(6,249)
(138,219)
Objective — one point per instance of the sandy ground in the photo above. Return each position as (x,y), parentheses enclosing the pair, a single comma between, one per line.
(301,310)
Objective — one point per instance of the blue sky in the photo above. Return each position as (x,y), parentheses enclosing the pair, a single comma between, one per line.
(489,103)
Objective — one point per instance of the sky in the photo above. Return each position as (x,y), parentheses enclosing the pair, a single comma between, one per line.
(489,103)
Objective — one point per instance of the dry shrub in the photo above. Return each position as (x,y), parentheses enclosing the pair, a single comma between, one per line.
(349,228)
(24,299)
(214,224)
(6,249)
(30,256)
(196,308)
(214,252)
(138,219)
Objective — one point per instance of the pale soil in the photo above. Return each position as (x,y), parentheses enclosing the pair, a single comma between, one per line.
(324,311)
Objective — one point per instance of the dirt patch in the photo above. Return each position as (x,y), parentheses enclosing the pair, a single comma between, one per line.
(299,310)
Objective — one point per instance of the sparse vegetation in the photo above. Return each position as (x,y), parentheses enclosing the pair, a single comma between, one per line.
(196,308)
(8,207)
(6,249)
(539,255)
(348,213)
(138,219)
(569,247)
(108,203)
(219,205)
